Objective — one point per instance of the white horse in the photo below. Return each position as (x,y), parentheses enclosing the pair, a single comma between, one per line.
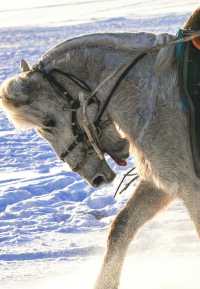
(144,107)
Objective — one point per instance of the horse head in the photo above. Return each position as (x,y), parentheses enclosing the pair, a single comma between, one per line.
(31,102)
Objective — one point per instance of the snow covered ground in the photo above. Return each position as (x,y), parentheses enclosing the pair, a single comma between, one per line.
(53,226)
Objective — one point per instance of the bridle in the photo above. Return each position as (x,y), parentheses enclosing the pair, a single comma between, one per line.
(79,134)
(73,104)
(90,133)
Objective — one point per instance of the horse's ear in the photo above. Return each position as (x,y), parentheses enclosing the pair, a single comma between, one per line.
(24,66)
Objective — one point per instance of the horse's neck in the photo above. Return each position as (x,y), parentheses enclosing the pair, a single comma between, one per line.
(92,58)
(132,104)
(141,95)
(95,65)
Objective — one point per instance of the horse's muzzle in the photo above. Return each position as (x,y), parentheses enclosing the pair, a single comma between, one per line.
(104,176)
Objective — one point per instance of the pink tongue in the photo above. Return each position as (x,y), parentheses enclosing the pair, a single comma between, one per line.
(120,162)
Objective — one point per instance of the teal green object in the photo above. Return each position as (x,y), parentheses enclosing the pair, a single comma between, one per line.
(188,63)
(180,47)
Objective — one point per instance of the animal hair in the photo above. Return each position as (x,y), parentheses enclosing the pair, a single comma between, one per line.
(166,55)
(19,115)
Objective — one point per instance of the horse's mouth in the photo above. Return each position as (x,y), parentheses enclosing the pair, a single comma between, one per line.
(120,160)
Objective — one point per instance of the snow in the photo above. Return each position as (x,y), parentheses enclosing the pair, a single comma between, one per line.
(80,11)
(53,226)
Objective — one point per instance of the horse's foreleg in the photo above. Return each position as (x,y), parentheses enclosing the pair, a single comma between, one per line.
(143,205)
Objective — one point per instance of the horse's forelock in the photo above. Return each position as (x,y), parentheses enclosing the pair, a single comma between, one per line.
(11,88)
(12,98)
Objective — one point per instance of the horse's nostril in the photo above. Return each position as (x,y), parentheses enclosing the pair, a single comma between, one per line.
(97,181)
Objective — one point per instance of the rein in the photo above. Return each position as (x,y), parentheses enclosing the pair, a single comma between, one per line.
(122,76)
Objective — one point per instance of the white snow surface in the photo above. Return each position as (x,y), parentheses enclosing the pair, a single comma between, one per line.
(53,226)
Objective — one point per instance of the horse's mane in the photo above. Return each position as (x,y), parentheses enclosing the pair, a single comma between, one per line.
(130,43)
(126,42)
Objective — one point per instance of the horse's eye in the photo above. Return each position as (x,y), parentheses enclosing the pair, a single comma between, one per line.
(49,122)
